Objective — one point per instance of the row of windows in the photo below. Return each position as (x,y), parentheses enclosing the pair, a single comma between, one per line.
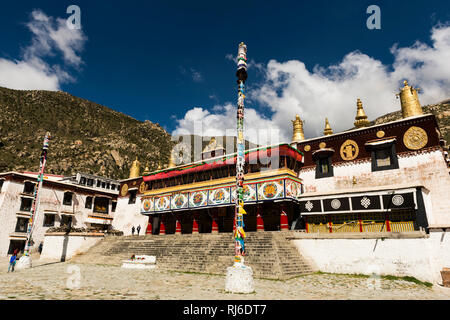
(49,221)
(100,184)
(384,157)
(101,204)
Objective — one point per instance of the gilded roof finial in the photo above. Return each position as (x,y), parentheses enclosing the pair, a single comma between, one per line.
(328,129)
(212,145)
(409,100)
(135,169)
(146,170)
(361,118)
(298,134)
(172,160)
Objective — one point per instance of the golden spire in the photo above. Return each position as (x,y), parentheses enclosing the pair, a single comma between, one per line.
(172,160)
(135,169)
(298,134)
(146,170)
(409,100)
(361,118)
(328,129)
(212,145)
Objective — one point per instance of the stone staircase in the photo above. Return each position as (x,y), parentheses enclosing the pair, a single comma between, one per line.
(269,254)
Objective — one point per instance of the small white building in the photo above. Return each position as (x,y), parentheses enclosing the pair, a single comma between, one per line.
(74,201)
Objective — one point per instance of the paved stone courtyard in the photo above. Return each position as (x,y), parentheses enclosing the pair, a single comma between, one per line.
(61,281)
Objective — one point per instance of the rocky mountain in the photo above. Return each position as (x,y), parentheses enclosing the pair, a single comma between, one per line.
(440,110)
(86,137)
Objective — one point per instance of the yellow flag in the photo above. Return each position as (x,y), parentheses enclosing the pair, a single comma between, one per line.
(241,210)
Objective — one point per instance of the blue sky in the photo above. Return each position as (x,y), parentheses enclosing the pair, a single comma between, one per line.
(169,61)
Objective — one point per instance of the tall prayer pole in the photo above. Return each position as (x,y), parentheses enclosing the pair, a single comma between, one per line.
(240,277)
(25,260)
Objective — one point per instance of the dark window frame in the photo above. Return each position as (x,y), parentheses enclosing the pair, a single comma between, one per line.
(133,196)
(26,208)
(1,184)
(27,189)
(45,223)
(390,147)
(319,173)
(65,201)
(101,205)
(89,201)
(113,206)
(24,225)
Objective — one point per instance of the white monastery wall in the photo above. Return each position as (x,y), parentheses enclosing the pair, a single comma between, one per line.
(422,258)
(428,169)
(50,200)
(74,244)
(129,215)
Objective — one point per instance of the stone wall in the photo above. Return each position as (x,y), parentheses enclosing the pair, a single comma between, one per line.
(428,169)
(57,245)
(422,257)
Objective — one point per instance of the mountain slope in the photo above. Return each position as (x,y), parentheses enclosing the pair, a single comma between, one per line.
(86,137)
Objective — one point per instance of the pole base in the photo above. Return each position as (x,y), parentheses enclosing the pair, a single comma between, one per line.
(239,279)
(24,262)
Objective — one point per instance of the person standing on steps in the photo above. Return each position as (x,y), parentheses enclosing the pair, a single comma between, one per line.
(138,229)
(12,261)
(132,231)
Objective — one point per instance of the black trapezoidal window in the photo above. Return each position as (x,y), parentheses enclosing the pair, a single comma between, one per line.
(67,201)
(324,166)
(384,156)
(88,203)
(132,198)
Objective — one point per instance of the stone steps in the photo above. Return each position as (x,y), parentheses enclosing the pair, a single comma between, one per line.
(270,254)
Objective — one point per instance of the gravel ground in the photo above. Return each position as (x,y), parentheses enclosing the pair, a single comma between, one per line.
(93,281)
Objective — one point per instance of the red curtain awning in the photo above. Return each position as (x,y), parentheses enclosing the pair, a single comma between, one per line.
(250,156)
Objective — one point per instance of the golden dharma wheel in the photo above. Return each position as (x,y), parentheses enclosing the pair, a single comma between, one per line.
(415,138)
(124,190)
(143,187)
(322,145)
(380,134)
(307,147)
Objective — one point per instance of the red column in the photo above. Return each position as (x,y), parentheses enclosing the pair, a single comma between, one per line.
(177,227)
(215,227)
(259,221)
(388,223)
(149,226)
(162,227)
(194,226)
(306,224)
(360,223)
(330,224)
(284,225)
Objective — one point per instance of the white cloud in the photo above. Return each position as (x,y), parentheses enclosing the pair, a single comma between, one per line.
(49,37)
(289,88)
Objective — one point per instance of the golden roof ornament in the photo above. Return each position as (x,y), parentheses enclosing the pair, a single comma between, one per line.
(298,134)
(328,129)
(172,162)
(361,118)
(409,100)
(146,170)
(135,169)
(212,145)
